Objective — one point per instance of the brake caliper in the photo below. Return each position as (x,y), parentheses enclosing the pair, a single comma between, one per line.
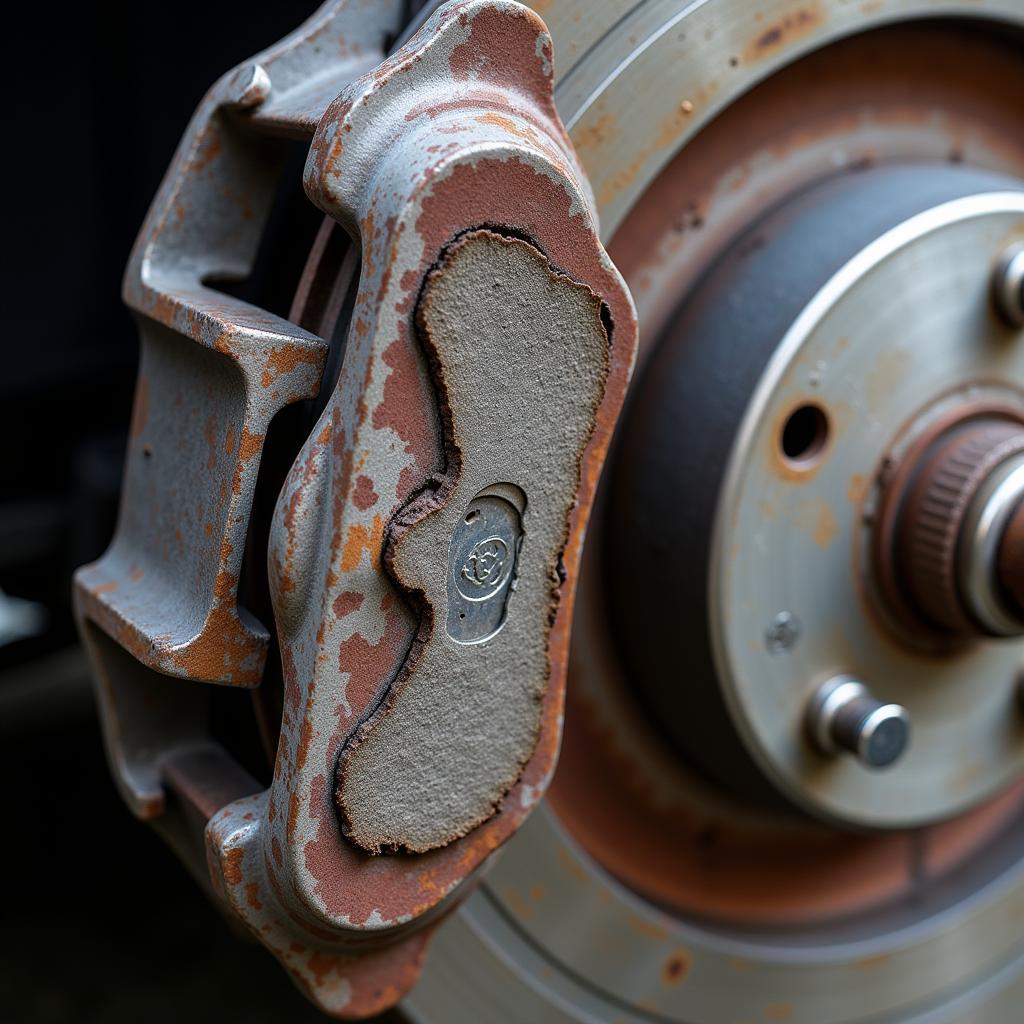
(424,548)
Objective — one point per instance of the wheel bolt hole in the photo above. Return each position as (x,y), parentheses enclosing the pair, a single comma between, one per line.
(804,435)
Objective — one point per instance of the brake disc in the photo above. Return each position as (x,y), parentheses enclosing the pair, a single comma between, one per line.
(790,780)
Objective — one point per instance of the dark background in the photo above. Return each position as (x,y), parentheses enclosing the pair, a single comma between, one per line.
(98,921)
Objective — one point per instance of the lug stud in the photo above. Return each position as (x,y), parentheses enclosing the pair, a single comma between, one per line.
(1008,285)
(843,717)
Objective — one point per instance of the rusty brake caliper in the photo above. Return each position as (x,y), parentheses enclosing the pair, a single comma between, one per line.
(424,548)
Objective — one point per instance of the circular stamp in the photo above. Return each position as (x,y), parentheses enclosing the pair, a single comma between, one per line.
(485,569)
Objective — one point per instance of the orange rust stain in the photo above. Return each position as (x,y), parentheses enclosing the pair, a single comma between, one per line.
(506,124)
(224,650)
(252,896)
(598,133)
(857,488)
(283,361)
(229,441)
(785,31)
(140,414)
(208,149)
(249,445)
(676,968)
(305,739)
(779,1011)
(233,866)
(293,816)
(513,899)
(224,343)
(322,964)
(105,588)
(649,929)
(666,137)
(817,518)
(361,537)
(567,861)
(827,528)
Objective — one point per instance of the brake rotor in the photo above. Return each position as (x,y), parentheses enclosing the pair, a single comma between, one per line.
(659,884)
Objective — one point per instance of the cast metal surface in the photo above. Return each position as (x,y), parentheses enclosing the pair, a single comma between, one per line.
(489,349)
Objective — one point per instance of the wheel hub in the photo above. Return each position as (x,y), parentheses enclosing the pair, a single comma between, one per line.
(784,406)
(946,552)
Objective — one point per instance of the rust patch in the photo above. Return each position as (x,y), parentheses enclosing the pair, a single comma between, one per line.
(364,496)
(283,361)
(676,968)
(140,411)
(362,538)
(233,866)
(785,31)
(347,602)
(597,133)
(649,929)
(406,407)
(367,666)
(252,896)
(518,49)
(508,124)
(857,488)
